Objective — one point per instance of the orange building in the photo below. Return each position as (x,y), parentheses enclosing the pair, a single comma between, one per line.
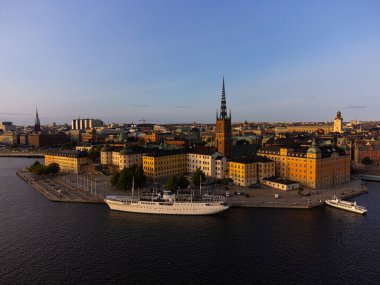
(315,167)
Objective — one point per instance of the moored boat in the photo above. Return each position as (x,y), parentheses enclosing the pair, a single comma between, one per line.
(168,204)
(346,205)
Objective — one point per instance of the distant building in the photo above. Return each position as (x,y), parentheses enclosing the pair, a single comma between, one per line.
(338,123)
(84,124)
(9,138)
(43,140)
(7,127)
(68,160)
(370,149)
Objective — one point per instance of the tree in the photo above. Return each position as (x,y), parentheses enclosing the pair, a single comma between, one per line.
(198,176)
(242,141)
(367,161)
(34,165)
(115,179)
(53,168)
(94,153)
(177,181)
(124,178)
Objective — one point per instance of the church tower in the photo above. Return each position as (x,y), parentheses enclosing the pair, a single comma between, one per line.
(338,123)
(37,124)
(223,128)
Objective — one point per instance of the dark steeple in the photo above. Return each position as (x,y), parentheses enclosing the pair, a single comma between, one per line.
(223,106)
(223,140)
(37,124)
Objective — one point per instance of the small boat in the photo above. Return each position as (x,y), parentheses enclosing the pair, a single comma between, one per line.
(346,205)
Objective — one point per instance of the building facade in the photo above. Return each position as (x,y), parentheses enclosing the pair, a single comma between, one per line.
(68,160)
(159,166)
(315,167)
(84,124)
(124,158)
(249,171)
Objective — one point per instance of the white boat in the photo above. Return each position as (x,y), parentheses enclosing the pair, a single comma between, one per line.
(168,204)
(346,205)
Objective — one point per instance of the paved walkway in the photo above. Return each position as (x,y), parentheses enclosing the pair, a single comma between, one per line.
(58,189)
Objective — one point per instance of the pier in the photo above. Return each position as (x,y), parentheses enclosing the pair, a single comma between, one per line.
(60,189)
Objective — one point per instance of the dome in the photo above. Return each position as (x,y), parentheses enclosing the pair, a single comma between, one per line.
(314,149)
(106,148)
(126,150)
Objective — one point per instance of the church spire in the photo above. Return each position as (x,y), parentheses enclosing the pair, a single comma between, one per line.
(37,124)
(223,106)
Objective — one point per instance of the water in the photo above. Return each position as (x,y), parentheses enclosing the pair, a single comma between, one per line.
(43,242)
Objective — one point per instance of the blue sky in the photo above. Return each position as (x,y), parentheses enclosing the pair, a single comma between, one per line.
(163,61)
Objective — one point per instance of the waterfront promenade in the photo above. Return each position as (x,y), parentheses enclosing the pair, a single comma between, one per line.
(93,188)
(22,154)
(310,198)
(60,189)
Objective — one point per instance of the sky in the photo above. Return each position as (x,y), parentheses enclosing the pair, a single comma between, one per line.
(163,61)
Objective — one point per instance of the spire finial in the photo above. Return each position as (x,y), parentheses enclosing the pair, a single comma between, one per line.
(223,106)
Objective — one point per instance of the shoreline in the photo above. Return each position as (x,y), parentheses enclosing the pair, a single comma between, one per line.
(22,154)
(62,189)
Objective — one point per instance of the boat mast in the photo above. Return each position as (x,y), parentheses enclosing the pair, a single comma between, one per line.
(200,186)
(133,185)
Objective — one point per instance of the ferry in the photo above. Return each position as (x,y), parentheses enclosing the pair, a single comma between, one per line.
(168,204)
(346,205)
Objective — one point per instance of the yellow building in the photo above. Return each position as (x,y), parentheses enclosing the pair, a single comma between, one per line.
(160,165)
(315,167)
(68,160)
(249,171)
(126,157)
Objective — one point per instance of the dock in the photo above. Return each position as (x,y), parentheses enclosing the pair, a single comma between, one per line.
(57,189)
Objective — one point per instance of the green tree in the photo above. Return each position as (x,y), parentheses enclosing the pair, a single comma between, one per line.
(39,169)
(115,179)
(177,181)
(53,168)
(198,176)
(366,161)
(124,178)
(34,165)
(171,184)
(94,153)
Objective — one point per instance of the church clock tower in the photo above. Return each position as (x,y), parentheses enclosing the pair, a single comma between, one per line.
(223,128)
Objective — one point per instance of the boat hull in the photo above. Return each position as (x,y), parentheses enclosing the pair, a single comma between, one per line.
(165,208)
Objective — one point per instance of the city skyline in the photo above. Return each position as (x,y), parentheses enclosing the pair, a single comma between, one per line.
(124,61)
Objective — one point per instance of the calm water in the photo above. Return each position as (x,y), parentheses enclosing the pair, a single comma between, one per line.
(43,242)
